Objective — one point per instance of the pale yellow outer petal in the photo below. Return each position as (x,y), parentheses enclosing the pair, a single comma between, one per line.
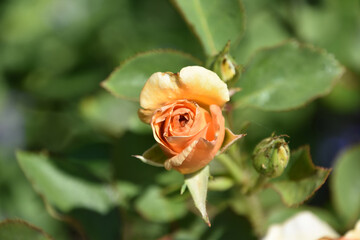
(193,83)
(355,233)
(303,226)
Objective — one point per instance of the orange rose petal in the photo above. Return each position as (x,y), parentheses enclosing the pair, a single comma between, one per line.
(178,143)
(199,156)
(199,153)
(172,138)
(192,83)
(145,115)
(189,110)
(156,126)
(201,120)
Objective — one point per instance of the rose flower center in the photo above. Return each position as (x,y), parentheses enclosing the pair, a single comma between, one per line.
(183,119)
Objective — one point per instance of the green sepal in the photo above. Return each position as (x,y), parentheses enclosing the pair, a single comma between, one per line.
(229,139)
(197,183)
(154,156)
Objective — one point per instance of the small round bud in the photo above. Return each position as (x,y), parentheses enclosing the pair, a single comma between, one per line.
(227,68)
(224,65)
(271,156)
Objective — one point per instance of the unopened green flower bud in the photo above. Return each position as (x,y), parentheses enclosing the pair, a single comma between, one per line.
(271,156)
(224,65)
(227,68)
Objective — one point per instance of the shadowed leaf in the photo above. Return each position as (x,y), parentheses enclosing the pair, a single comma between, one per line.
(301,178)
(345,185)
(21,230)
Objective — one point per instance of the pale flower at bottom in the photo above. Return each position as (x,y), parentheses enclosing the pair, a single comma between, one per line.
(307,226)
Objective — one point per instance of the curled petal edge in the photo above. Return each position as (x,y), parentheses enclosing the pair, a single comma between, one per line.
(193,83)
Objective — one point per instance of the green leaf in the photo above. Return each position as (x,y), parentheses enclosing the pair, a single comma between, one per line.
(154,206)
(62,189)
(345,185)
(221,183)
(322,25)
(21,230)
(214,22)
(287,77)
(59,87)
(153,156)
(229,226)
(345,97)
(3,93)
(125,192)
(170,178)
(263,29)
(112,115)
(301,178)
(14,189)
(129,78)
(197,183)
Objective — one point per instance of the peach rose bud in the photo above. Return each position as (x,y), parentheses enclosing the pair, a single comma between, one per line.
(184,111)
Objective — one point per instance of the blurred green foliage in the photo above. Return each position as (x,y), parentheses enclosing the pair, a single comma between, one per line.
(75,176)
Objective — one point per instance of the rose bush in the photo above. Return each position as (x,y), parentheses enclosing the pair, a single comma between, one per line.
(184,110)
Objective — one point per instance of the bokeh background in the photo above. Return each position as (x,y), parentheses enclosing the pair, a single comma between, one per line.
(55,53)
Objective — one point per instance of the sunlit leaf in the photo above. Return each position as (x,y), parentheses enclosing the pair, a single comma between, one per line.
(263,30)
(287,77)
(214,22)
(334,26)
